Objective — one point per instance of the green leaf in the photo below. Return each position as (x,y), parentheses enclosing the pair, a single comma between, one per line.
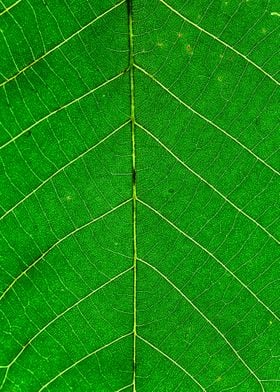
(139,196)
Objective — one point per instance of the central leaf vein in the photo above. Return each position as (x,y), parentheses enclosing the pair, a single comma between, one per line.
(134,194)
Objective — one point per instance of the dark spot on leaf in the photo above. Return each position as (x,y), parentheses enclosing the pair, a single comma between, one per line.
(189,49)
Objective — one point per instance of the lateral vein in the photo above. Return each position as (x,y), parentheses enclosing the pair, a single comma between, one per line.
(229,271)
(205,318)
(62,168)
(83,359)
(207,120)
(220,41)
(65,311)
(9,8)
(58,45)
(209,184)
(62,108)
(53,246)
(174,362)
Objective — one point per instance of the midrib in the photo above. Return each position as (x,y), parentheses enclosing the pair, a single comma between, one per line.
(134,194)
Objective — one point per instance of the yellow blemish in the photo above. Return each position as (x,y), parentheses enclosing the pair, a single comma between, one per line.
(189,49)
(160,44)
(220,78)
(264,30)
(179,35)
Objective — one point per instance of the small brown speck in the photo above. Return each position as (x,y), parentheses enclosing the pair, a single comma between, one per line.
(189,49)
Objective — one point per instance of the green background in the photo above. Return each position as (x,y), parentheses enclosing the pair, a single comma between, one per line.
(207,212)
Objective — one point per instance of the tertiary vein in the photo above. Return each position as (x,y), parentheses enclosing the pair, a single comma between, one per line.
(172,361)
(58,316)
(211,255)
(62,168)
(60,44)
(220,41)
(208,184)
(10,7)
(203,117)
(206,319)
(83,359)
(47,116)
(53,246)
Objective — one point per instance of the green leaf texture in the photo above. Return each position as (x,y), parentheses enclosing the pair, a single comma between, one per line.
(139,196)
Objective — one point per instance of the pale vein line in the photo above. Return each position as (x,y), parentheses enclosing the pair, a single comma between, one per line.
(61,43)
(221,42)
(134,189)
(59,242)
(9,8)
(205,318)
(172,360)
(124,388)
(208,184)
(205,118)
(211,255)
(64,312)
(83,359)
(63,168)
(61,108)
(272,380)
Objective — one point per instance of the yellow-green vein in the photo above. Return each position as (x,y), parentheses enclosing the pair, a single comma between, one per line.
(134,194)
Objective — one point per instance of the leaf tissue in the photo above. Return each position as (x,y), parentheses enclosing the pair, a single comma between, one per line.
(139,196)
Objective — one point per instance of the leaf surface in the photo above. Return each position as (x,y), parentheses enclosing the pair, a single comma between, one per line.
(139,196)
